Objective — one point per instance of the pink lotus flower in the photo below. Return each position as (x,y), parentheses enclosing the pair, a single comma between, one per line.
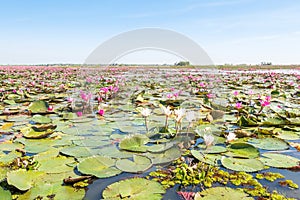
(110,87)
(209,95)
(268,98)
(70,100)
(250,92)
(104,90)
(115,89)
(202,84)
(101,112)
(79,114)
(238,105)
(264,103)
(50,108)
(169,96)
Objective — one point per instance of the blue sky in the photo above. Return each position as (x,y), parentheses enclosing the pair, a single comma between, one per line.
(230,31)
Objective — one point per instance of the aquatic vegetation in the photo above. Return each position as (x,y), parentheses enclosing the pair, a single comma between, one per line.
(221,128)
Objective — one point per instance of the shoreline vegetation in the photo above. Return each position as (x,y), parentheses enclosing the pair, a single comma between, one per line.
(164,66)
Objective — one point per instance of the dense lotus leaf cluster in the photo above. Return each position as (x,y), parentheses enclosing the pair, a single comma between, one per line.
(66,126)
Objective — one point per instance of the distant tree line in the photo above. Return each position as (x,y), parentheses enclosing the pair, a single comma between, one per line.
(182,63)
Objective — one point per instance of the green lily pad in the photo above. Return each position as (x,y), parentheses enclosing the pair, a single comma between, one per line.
(222,193)
(138,165)
(56,164)
(5,194)
(166,156)
(22,179)
(294,121)
(134,143)
(99,166)
(114,152)
(3,171)
(269,143)
(92,141)
(9,102)
(8,158)
(46,155)
(38,107)
(212,149)
(46,190)
(241,164)
(10,146)
(29,132)
(274,121)
(40,119)
(279,160)
(242,150)
(210,159)
(76,151)
(209,128)
(288,135)
(160,147)
(135,188)
(243,121)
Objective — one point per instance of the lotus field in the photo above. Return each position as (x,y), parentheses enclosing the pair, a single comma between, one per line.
(70,132)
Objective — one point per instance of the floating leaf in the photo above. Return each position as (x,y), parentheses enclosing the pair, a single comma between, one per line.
(288,135)
(206,158)
(46,190)
(294,121)
(269,143)
(7,126)
(240,164)
(164,157)
(56,164)
(40,119)
(222,193)
(5,194)
(92,141)
(22,179)
(212,149)
(76,151)
(38,107)
(279,160)
(135,188)
(135,143)
(242,150)
(138,165)
(8,158)
(29,132)
(160,147)
(243,121)
(9,146)
(99,166)
(114,152)
(3,171)
(274,121)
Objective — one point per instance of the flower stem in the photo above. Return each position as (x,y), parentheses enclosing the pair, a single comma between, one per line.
(146,124)
(166,123)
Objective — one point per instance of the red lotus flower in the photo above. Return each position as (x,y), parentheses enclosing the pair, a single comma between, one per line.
(101,112)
